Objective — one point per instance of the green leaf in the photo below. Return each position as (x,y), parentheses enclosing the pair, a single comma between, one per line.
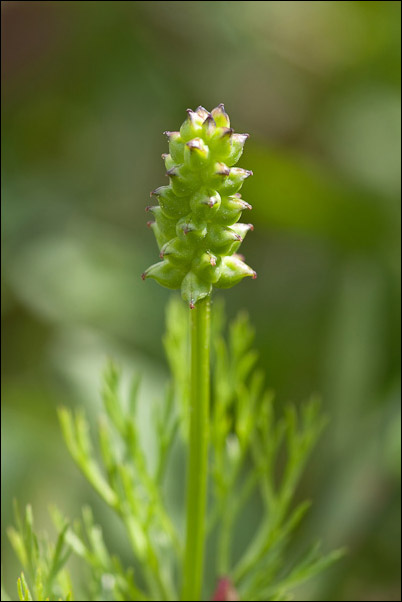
(23,589)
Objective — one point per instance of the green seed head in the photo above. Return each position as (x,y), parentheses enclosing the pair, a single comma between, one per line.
(196,223)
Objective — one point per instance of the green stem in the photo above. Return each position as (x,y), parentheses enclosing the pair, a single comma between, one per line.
(197,473)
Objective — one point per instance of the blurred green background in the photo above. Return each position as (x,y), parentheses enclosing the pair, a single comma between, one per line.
(88,88)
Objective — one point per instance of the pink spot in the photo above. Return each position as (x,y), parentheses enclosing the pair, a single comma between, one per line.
(225,591)
(254,276)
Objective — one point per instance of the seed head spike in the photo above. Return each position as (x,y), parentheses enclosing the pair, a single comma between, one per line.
(197,217)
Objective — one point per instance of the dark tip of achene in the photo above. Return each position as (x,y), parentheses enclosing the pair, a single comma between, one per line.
(149,224)
(209,120)
(191,115)
(251,227)
(143,275)
(192,305)
(227,132)
(193,144)
(254,276)
(223,170)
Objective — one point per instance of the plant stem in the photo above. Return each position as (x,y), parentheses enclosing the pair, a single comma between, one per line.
(197,472)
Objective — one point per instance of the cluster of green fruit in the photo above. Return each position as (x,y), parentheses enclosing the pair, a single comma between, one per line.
(196,223)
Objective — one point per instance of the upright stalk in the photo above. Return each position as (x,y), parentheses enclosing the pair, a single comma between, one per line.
(197,472)
(197,228)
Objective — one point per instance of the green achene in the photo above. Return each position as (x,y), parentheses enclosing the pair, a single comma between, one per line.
(196,221)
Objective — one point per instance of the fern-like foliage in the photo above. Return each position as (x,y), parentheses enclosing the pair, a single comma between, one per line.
(44,576)
(253,453)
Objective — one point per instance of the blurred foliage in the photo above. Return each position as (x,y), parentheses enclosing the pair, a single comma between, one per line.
(255,455)
(88,87)
(43,561)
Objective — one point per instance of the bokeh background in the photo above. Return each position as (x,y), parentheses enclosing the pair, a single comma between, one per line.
(88,88)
